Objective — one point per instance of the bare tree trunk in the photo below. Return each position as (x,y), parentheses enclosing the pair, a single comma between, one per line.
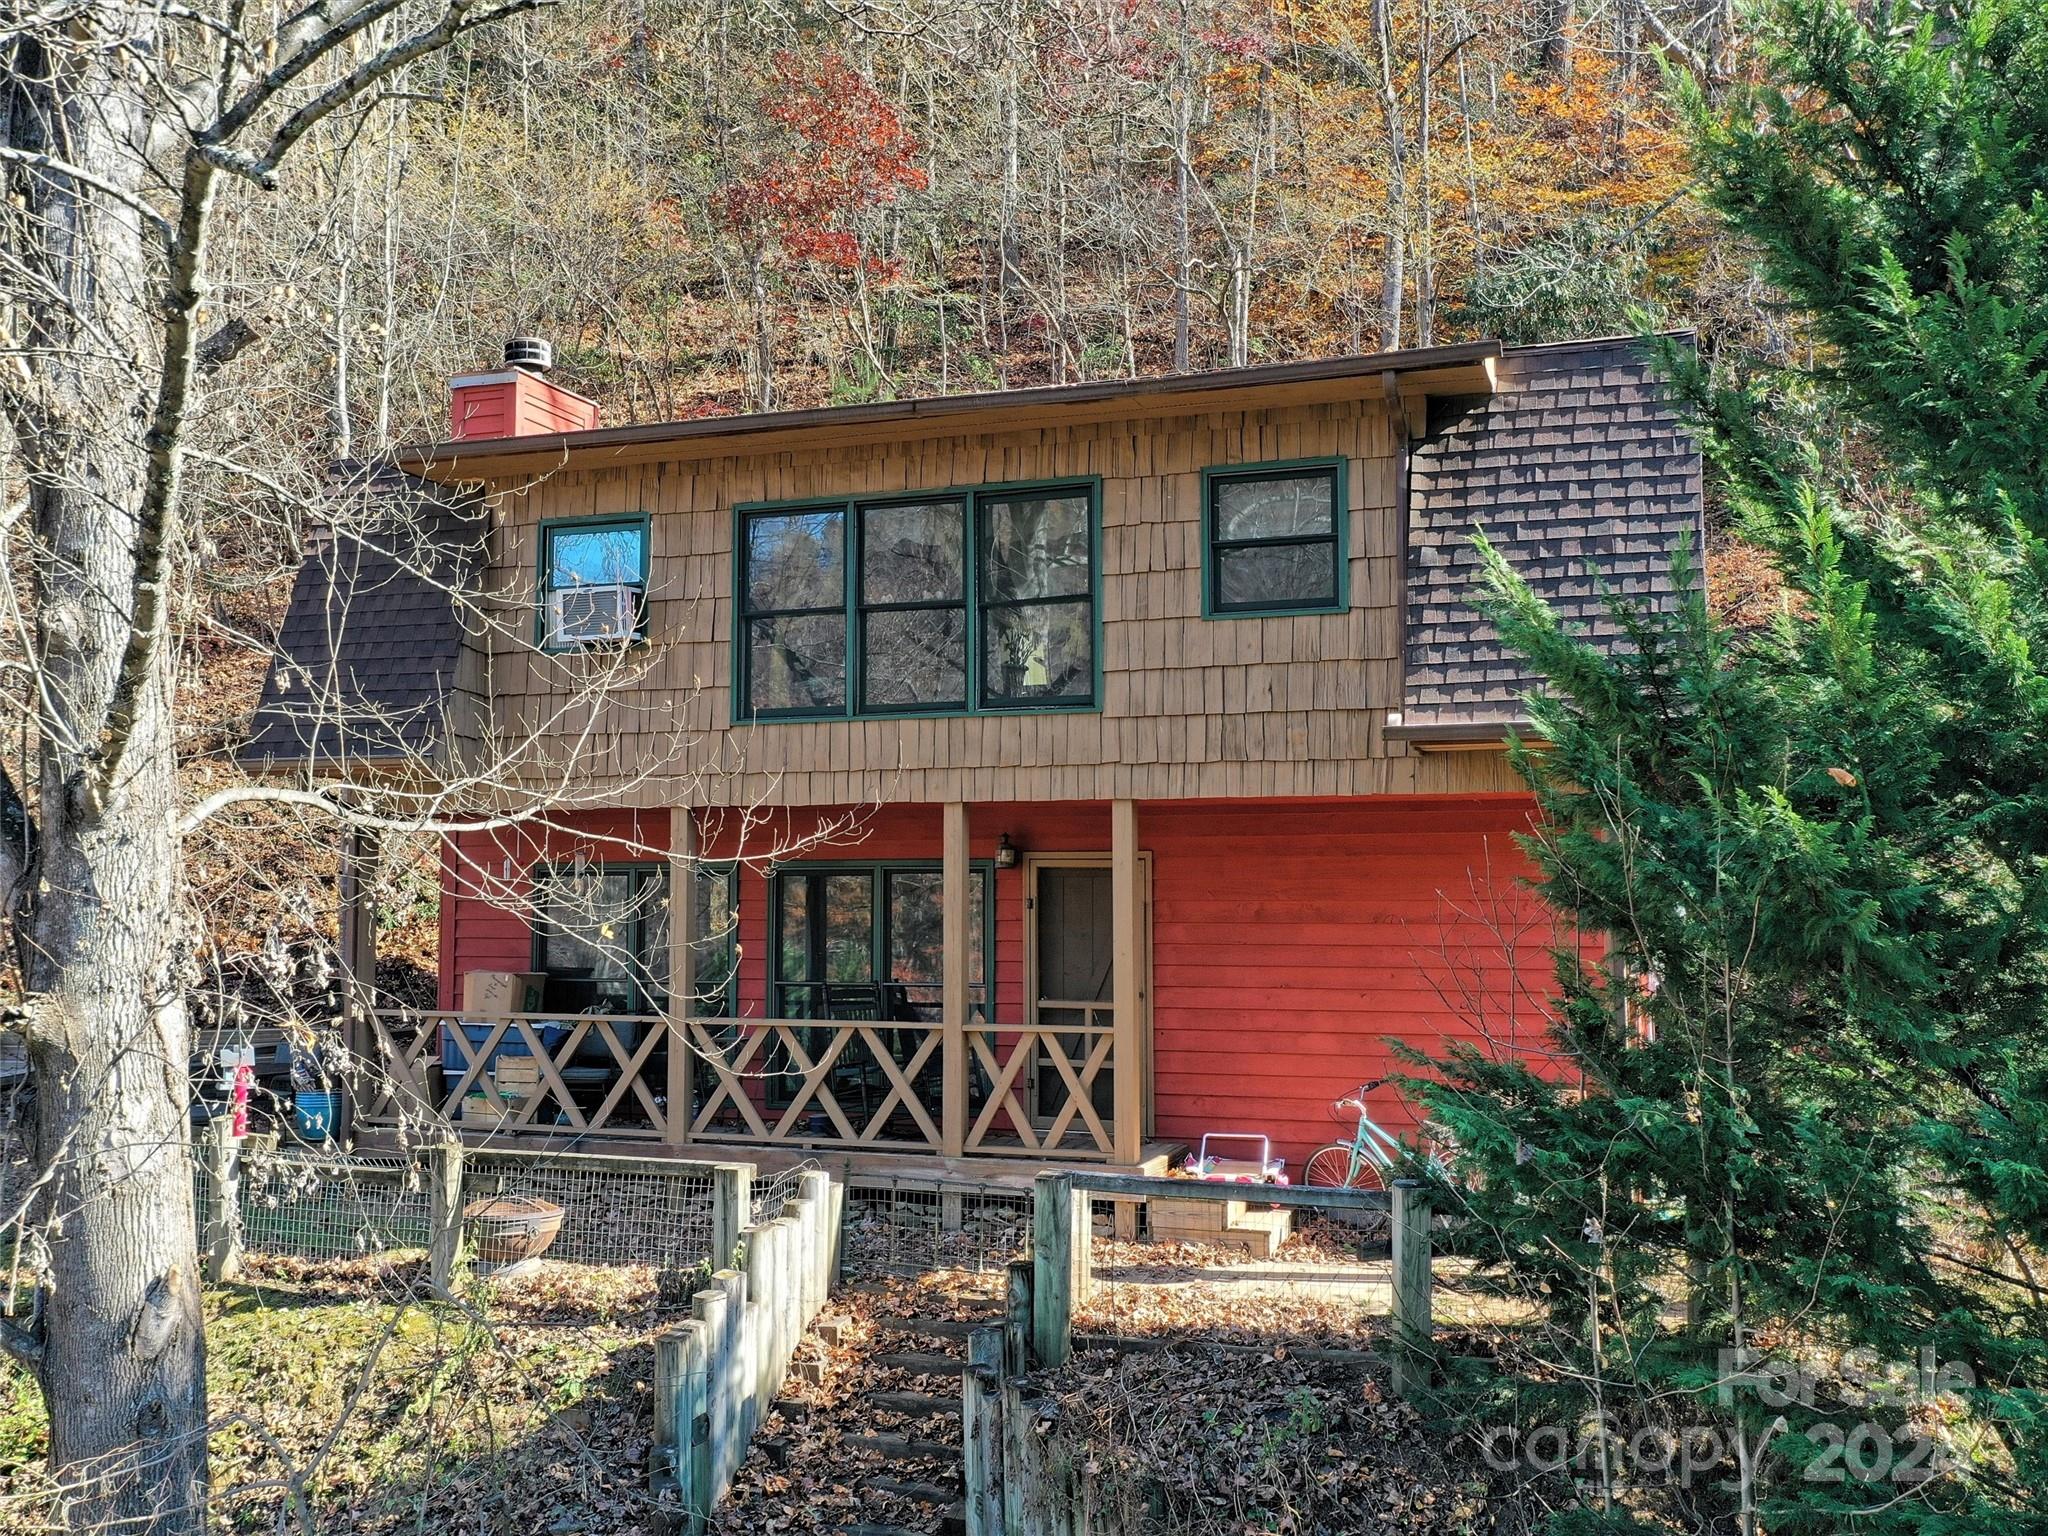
(1183,193)
(1425,251)
(122,1351)
(1560,27)
(1392,275)
(764,334)
(105,259)
(1006,244)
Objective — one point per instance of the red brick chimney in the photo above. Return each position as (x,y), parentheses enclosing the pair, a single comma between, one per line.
(517,400)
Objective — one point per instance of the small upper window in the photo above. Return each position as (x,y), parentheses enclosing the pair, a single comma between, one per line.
(593,580)
(1276,540)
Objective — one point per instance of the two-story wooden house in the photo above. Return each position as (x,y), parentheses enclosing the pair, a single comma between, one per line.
(1059,773)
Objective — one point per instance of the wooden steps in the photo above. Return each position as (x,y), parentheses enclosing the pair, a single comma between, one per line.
(913,1363)
(904,1447)
(905,1414)
(916,1404)
(1230,1223)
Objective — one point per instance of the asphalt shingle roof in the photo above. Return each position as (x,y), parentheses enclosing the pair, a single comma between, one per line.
(1582,474)
(368,650)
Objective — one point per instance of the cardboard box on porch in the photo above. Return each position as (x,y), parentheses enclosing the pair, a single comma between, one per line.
(492,994)
(515,1077)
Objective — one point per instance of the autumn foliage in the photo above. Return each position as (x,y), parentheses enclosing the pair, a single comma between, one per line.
(841,149)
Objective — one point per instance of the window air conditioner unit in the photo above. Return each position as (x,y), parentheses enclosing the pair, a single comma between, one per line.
(594,614)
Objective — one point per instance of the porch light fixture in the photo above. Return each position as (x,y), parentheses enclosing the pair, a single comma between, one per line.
(1006,852)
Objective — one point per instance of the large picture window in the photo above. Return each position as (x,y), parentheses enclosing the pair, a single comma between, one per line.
(933,603)
(1275,539)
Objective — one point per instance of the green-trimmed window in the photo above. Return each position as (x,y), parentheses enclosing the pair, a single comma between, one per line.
(939,602)
(1275,539)
(865,941)
(716,962)
(1037,598)
(593,580)
(600,935)
(913,605)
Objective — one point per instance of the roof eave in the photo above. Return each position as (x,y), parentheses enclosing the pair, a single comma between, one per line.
(1467,368)
(1462,735)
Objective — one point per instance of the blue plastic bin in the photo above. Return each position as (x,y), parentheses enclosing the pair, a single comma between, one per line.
(513,1044)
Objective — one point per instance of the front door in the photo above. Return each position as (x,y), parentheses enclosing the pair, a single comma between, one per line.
(1074,987)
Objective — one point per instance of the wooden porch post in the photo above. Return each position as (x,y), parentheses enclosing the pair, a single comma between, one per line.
(956,968)
(357,933)
(682,969)
(1127,896)
(358,922)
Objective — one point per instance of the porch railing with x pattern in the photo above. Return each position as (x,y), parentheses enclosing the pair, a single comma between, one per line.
(1038,1090)
(545,1074)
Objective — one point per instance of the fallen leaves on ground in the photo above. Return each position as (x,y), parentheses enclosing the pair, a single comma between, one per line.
(1198,1441)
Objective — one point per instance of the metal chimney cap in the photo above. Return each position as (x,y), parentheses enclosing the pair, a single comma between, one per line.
(532,353)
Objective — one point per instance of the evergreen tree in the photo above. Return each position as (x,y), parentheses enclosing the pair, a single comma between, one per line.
(1803,1092)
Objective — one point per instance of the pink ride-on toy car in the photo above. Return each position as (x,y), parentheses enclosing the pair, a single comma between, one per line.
(1229,1157)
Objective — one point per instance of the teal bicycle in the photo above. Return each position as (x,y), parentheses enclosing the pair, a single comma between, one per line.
(1374,1156)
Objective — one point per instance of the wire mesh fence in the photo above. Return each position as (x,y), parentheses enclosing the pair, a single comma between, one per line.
(615,1210)
(313,1203)
(772,1191)
(906,1226)
(305,1203)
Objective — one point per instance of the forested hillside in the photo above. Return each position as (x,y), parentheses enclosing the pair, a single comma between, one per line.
(719,205)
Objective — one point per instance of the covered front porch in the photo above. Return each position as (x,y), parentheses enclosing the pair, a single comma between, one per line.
(855,1011)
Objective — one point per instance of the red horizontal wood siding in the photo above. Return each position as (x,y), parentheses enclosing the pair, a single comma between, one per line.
(1291,942)
(1290,939)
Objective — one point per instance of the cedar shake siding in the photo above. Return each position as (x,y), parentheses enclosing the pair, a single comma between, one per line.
(1565,454)
(1581,472)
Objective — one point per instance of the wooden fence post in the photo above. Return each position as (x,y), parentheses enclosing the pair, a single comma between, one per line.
(732,1197)
(668,1378)
(678,1413)
(1413,1327)
(835,1235)
(1017,1318)
(444,1239)
(757,1328)
(221,1221)
(782,1298)
(1052,1278)
(693,1428)
(981,1400)
(1018,1448)
(733,1383)
(817,1188)
(708,1310)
